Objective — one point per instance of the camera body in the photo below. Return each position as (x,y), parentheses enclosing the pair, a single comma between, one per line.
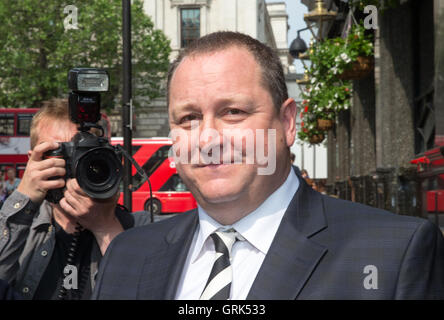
(90,159)
(93,162)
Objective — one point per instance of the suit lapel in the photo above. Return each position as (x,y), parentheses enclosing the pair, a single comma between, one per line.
(293,256)
(179,240)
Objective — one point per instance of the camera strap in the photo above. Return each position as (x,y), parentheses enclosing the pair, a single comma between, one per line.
(140,171)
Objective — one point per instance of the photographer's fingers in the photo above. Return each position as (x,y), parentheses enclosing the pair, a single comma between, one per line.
(49,163)
(40,149)
(71,204)
(52,174)
(52,184)
(36,180)
(73,185)
(36,183)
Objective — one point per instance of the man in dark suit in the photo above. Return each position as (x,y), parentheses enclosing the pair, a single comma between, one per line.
(260,232)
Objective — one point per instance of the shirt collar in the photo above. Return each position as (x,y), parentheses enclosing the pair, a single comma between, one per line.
(258,227)
(44,216)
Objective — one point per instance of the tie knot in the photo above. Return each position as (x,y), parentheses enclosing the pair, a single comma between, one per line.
(224,240)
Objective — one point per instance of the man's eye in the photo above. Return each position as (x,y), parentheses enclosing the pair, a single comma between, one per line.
(235,112)
(189,118)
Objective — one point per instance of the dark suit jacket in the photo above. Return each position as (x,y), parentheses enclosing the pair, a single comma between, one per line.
(325,248)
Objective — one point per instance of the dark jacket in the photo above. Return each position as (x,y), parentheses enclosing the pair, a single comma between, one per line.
(325,248)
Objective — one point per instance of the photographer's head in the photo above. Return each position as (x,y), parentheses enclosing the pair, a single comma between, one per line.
(52,123)
(230,81)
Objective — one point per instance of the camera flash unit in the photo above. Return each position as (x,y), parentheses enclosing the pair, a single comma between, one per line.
(84,99)
(88,80)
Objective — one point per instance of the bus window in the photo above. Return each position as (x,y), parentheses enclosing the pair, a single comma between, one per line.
(156,160)
(24,124)
(6,124)
(135,149)
(136,180)
(174,183)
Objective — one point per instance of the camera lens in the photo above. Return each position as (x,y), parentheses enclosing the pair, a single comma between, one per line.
(98,171)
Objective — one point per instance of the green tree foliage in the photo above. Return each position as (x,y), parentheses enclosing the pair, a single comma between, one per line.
(36,51)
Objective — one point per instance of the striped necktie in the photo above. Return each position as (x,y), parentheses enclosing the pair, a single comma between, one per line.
(219,283)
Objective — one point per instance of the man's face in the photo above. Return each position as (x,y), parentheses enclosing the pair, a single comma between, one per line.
(223,90)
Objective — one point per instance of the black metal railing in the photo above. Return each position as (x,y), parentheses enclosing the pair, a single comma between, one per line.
(388,189)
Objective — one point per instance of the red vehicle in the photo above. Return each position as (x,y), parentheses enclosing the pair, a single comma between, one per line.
(15,125)
(170,194)
(430,165)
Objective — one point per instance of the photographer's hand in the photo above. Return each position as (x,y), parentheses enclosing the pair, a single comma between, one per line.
(96,215)
(35,181)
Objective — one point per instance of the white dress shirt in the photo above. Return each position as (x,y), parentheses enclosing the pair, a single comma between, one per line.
(257,228)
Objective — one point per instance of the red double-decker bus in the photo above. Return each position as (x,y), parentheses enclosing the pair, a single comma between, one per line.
(170,194)
(15,125)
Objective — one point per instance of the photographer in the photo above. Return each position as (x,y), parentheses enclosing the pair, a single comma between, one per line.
(37,236)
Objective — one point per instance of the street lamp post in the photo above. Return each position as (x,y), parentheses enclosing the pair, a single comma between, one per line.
(126,101)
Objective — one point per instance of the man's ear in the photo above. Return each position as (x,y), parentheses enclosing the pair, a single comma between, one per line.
(288,114)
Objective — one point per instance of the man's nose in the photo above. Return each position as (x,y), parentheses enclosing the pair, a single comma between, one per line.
(210,133)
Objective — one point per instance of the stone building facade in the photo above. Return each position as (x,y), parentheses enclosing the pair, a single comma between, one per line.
(183,20)
(397,113)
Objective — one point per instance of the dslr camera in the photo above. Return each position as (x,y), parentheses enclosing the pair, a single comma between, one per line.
(90,158)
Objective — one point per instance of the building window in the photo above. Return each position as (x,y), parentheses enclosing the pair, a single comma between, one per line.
(189,25)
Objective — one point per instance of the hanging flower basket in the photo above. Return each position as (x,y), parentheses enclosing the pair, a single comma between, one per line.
(316,138)
(325,124)
(360,69)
